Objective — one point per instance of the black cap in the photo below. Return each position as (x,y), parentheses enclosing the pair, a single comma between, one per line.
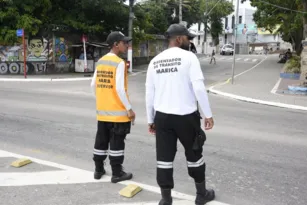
(117,36)
(178,30)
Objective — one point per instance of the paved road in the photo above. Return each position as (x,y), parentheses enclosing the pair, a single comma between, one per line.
(255,155)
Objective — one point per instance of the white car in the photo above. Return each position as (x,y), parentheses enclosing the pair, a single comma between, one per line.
(227,49)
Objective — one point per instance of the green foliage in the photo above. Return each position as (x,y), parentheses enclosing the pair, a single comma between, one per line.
(223,9)
(92,17)
(98,17)
(27,14)
(192,12)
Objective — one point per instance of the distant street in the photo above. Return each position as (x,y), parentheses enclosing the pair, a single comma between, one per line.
(255,155)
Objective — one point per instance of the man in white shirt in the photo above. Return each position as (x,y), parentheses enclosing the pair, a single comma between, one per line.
(114,111)
(174,85)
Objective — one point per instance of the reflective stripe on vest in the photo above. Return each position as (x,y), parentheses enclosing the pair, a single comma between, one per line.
(112,113)
(107,62)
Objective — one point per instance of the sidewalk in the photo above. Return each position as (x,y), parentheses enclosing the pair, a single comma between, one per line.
(261,84)
(61,76)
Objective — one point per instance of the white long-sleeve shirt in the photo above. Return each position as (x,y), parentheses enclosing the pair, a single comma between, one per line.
(120,84)
(174,84)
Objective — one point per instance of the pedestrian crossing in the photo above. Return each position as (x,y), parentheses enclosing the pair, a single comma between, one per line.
(230,59)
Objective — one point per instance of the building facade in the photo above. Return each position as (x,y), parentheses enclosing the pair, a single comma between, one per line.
(250,38)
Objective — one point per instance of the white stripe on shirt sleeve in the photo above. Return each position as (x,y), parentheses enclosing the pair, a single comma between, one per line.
(150,95)
(120,85)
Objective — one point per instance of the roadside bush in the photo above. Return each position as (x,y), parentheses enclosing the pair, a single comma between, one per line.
(293,65)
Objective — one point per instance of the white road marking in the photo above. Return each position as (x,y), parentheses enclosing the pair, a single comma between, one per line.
(276,86)
(69,175)
(254,60)
(246,99)
(238,59)
(246,59)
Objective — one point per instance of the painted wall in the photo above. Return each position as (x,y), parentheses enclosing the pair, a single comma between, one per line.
(39,57)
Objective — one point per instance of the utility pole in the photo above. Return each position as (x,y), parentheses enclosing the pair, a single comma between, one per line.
(130,29)
(235,41)
(180,11)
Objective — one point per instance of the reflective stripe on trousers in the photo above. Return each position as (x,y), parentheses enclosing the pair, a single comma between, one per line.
(116,153)
(112,113)
(199,163)
(164,165)
(100,152)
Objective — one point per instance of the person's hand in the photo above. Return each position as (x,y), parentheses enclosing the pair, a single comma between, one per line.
(131,115)
(209,123)
(152,128)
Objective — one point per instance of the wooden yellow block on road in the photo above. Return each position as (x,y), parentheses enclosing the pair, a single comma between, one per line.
(130,190)
(21,162)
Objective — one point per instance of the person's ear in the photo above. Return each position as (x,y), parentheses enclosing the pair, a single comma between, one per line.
(178,40)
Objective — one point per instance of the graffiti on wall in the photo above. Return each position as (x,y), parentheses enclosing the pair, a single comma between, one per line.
(33,67)
(61,50)
(38,52)
(37,49)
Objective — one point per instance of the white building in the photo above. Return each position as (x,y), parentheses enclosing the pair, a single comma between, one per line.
(248,32)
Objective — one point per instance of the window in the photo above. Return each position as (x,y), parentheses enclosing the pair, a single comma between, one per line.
(233,22)
(240,19)
(226,22)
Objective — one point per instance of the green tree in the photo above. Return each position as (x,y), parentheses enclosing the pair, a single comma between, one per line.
(220,11)
(192,11)
(27,14)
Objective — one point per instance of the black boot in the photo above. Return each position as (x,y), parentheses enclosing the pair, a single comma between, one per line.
(99,170)
(166,197)
(119,174)
(202,194)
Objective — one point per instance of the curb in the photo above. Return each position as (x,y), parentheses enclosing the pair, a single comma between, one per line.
(252,100)
(55,79)
(263,102)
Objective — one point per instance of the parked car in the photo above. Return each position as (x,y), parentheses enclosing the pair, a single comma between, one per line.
(227,49)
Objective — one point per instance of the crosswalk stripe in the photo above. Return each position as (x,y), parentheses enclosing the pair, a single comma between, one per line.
(246,59)
(254,60)
(71,175)
(238,59)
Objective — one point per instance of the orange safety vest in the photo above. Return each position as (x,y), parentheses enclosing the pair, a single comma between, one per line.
(108,104)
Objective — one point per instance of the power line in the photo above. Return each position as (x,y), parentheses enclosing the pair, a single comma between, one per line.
(284,8)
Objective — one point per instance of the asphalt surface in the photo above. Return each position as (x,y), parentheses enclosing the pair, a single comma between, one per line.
(255,154)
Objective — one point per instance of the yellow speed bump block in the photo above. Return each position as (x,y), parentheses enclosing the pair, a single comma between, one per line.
(21,162)
(130,190)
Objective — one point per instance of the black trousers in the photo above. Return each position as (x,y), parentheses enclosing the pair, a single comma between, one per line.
(169,128)
(110,141)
